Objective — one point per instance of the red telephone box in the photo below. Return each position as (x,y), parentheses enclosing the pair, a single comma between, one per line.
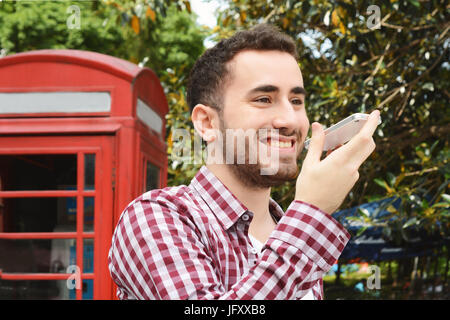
(81,135)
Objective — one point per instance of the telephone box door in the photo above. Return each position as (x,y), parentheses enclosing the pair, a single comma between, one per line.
(56,209)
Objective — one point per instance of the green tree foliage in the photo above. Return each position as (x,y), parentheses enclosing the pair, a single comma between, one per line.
(37,25)
(401,68)
(161,35)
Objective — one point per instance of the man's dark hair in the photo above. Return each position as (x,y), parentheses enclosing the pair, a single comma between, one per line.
(210,73)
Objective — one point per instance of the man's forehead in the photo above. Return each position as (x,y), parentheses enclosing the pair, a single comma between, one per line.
(252,65)
(260,56)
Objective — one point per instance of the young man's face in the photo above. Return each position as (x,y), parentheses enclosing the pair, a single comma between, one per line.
(265,91)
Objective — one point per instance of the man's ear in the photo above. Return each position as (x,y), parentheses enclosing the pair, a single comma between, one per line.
(206,121)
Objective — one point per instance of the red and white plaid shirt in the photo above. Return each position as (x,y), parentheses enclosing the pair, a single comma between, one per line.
(191,242)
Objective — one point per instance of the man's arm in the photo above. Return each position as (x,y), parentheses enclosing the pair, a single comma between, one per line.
(158,253)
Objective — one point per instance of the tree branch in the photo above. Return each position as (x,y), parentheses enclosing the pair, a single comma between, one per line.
(378,64)
(400,141)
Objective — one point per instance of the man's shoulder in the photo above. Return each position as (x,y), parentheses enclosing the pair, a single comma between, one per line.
(178,198)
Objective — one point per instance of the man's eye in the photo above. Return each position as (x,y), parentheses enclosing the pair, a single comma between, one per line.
(297,101)
(263,100)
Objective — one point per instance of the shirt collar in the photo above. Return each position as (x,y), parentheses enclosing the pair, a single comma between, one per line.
(227,208)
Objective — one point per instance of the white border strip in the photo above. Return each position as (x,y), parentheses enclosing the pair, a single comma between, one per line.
(148,116)
(54,102)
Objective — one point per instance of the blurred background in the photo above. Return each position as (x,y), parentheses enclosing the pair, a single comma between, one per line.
(355,56)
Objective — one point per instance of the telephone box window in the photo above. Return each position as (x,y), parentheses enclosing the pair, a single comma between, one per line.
(152,177)
(37,255)
(87,290)
(89,171)
(38,171)
(34,290)
(40,214)
(89,203)
(88,255)
(40,235)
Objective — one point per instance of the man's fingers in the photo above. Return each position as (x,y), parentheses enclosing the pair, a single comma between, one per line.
(371,125)
(316,145)
(330,151)
(361,146)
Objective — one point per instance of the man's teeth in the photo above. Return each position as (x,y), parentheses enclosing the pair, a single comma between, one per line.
(280,144)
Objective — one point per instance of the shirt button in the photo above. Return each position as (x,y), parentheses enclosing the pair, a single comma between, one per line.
(245,217)
(254,251)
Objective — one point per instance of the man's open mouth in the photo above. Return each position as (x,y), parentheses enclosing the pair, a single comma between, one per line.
(279,142)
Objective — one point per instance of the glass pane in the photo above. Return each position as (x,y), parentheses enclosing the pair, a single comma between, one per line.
(38,214)
(88,289)
(152,181)
(89,204)
(88,256)
(38,172)
(89,171)
(34,289)
(87,292)
(37,255)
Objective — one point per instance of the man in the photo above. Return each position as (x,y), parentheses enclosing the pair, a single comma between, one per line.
(223,237)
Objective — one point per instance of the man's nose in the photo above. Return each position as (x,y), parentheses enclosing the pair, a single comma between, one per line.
(285,116)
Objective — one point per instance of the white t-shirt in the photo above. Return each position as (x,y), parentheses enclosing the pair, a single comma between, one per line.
(258,245)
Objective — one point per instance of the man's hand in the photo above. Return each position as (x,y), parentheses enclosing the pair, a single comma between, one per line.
(325,183)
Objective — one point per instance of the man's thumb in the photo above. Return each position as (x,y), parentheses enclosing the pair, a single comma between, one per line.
(316,145)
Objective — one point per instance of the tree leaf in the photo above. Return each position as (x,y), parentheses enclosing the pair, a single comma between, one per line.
(326,18)
(446,197)
(243,16)
(382,184)
(363,211)
(342,28)
(188,5)
(415,3)
(150,13)
(391,178)
(409,223)
(428,86)
(391,209)
(399,179)
(361,231)
(335,20)
(441,205)
(135,24)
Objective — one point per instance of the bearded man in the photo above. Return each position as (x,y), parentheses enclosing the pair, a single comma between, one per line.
(223,236)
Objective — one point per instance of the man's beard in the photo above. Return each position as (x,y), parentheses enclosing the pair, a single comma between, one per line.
(250,173)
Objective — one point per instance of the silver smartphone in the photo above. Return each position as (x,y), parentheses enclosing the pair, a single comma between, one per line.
(342,131)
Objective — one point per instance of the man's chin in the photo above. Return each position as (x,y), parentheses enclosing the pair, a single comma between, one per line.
(256,176)
(284,171)
(278,178)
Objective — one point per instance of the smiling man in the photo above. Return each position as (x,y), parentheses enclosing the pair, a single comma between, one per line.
(222,236)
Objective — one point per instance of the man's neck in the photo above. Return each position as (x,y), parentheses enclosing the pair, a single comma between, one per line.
(255,199)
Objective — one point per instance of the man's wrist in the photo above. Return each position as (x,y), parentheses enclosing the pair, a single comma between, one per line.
(317,204)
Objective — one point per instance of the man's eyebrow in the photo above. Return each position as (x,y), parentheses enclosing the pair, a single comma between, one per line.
(264,88)
(298,90)
(271,88)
